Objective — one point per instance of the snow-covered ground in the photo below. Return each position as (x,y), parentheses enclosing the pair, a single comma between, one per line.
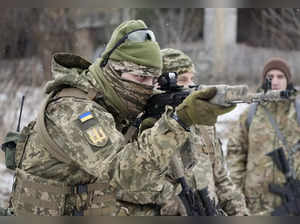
(225,124)
(6,181)
(32,102)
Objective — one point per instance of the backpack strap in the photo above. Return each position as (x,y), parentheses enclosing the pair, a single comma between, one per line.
(297,105)
(42,132)
(251,114)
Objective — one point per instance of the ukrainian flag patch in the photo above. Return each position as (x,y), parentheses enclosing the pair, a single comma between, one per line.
(85,117)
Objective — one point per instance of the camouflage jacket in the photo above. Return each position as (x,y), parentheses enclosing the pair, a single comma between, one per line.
(204,166)
(127,177)
(249,166)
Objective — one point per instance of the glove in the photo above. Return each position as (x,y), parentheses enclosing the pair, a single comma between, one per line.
(196,109)
(147,123)
(173,207)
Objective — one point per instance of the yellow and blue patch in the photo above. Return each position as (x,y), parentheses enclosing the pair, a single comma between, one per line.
(85,117)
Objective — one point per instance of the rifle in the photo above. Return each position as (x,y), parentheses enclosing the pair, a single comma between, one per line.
(290,191)
(173,95)
(196,202)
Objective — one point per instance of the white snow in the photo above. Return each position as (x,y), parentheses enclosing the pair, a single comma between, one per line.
(6,181)
(225,124)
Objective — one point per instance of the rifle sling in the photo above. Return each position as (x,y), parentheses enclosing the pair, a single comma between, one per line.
(297,105)
(282,139)
(276,128)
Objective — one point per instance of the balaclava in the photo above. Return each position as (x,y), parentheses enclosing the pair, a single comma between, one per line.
(137,57)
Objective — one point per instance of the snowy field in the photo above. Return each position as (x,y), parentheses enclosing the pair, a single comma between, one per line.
(32,102)
(225,124)
(6,180)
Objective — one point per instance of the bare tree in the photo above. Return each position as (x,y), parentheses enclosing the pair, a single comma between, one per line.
(16,33)
(173,26)
(53,32)
(280,27)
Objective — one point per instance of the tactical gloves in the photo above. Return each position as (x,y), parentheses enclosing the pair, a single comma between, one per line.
(147,123)
(196,109)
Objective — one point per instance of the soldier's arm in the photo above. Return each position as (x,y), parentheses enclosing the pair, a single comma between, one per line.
(231,199)
(237,149)
(88,134)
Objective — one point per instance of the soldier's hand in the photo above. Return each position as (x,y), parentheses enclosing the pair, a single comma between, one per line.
(147,123)
(173,207)
(196,108)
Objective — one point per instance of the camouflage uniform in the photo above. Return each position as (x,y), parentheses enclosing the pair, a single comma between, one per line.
(250,168)
(88,168)
(202,155)
(77,158)
(253,137)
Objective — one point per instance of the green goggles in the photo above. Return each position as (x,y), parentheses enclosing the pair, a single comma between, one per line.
(140,35)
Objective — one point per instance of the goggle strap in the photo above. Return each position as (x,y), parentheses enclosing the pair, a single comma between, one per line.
(105,59)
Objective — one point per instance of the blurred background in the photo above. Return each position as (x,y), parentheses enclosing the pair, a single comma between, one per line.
(227,45)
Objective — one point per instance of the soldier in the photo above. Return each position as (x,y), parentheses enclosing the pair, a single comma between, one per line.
(255,135)
(77,158)
(202,155)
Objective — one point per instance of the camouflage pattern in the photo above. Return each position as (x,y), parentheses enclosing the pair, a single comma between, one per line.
(201,154)
(250,168)
(204,166)
(176,61)
(37,198)
(228,95)
(131,174)
(133,94)
(132,68)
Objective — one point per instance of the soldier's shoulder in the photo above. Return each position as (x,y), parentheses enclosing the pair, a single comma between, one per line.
(70,108)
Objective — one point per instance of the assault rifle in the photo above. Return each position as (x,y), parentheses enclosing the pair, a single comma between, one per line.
(196,202)
(226,95)
(290,190)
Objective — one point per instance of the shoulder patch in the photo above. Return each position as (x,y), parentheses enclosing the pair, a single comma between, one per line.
(92,130)
(96,136)
(85,117)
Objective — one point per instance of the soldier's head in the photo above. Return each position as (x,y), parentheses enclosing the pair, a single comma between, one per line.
(134,46)
(176,61)
(278,71)
(131,63)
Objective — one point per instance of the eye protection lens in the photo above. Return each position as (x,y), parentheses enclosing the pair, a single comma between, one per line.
(140,35)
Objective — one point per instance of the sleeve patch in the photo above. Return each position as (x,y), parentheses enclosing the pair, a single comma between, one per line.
(85,117)
(96,136)
(92,131)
